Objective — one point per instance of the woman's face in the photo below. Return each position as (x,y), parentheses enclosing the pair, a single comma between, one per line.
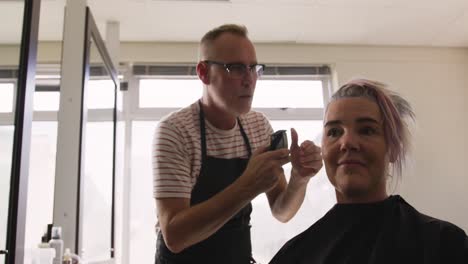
(355,151)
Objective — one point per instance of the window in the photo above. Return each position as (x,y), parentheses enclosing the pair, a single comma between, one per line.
(168,92)
(41,162)
(41,180)
(288,97)
(6,97)
(288,94)
(98,164)
(100,94)
(98,170)
(42,159)
(46,94)
(46,101)
(97,190)
(293,98)
(142,240)
(6,149)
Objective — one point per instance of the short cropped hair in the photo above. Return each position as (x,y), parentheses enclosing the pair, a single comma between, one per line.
(208,39)
(395,111)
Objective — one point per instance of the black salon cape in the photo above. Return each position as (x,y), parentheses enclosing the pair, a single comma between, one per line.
(390,231)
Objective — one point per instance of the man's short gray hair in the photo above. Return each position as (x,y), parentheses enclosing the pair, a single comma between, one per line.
(208,39)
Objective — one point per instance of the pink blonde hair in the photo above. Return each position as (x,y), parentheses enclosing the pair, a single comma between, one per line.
(395,111)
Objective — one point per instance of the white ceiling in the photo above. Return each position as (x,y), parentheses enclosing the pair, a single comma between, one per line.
(362,22)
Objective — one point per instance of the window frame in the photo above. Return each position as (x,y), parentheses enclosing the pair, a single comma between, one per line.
(156,113)
(316,113)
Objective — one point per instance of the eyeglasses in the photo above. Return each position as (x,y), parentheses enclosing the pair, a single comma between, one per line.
(238,70)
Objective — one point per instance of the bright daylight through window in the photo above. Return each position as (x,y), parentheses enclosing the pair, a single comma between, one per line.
(6,97)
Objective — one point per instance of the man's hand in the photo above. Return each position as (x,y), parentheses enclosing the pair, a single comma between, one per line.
(306,159)
(264,170)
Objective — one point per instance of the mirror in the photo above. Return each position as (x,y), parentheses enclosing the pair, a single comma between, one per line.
(10,42)
(98,163)
(43,142)
(97,213)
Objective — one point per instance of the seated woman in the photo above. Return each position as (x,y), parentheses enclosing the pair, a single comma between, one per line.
(365,141)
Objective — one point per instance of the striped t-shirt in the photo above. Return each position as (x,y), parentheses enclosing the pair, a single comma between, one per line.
(177,148)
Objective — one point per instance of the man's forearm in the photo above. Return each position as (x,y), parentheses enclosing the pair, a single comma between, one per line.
(197,223)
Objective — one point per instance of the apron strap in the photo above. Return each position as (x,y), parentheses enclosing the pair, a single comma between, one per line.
(246,139)
(203,135)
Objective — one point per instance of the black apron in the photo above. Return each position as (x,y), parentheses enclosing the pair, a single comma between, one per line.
(231,243)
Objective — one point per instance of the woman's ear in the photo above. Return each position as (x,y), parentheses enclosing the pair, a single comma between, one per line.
(202,72)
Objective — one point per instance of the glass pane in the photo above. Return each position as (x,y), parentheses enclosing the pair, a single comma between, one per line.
(10,47)
(46,101)
(143,212)
(100,94)
(6,97)
(288,93)
(41,181)
(97,203)
(320,197)
(98,168)
(6,148)
(169,92)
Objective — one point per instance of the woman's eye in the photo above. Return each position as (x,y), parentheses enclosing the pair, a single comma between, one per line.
(368,131)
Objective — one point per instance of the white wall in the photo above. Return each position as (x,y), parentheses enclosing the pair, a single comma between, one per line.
(437,179)
(9,55)
(434,80)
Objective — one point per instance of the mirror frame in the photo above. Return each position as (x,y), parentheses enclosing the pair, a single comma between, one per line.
(16,226)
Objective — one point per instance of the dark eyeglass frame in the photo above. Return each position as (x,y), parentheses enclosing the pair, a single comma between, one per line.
(253,68)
